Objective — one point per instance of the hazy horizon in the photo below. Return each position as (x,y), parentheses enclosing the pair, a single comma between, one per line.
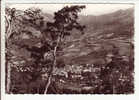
(91,9)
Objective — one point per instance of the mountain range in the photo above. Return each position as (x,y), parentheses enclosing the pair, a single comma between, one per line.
(103,35)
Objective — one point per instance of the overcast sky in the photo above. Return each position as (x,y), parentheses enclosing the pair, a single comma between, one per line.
(91,9)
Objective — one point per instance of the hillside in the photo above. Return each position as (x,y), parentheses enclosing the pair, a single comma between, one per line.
(102,35)
(121,20)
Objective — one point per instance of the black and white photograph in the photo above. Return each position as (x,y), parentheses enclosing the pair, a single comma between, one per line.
(69,48)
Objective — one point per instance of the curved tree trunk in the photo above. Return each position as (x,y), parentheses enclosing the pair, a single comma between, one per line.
(8,28)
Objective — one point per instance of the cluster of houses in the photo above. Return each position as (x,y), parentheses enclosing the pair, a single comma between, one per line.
(76,71)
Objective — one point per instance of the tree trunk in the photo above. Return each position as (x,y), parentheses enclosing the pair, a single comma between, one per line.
(48,84)
(8,78)
(8,28)
(8,66)
(54,65)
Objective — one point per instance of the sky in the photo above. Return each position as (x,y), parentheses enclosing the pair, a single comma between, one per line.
(91,9)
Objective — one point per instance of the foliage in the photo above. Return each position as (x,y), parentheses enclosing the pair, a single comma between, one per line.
(29,36)
(22,51)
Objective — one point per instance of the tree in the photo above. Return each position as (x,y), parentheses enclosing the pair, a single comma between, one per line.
(50,39)
(64,21)
(10,15)
(19,23)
